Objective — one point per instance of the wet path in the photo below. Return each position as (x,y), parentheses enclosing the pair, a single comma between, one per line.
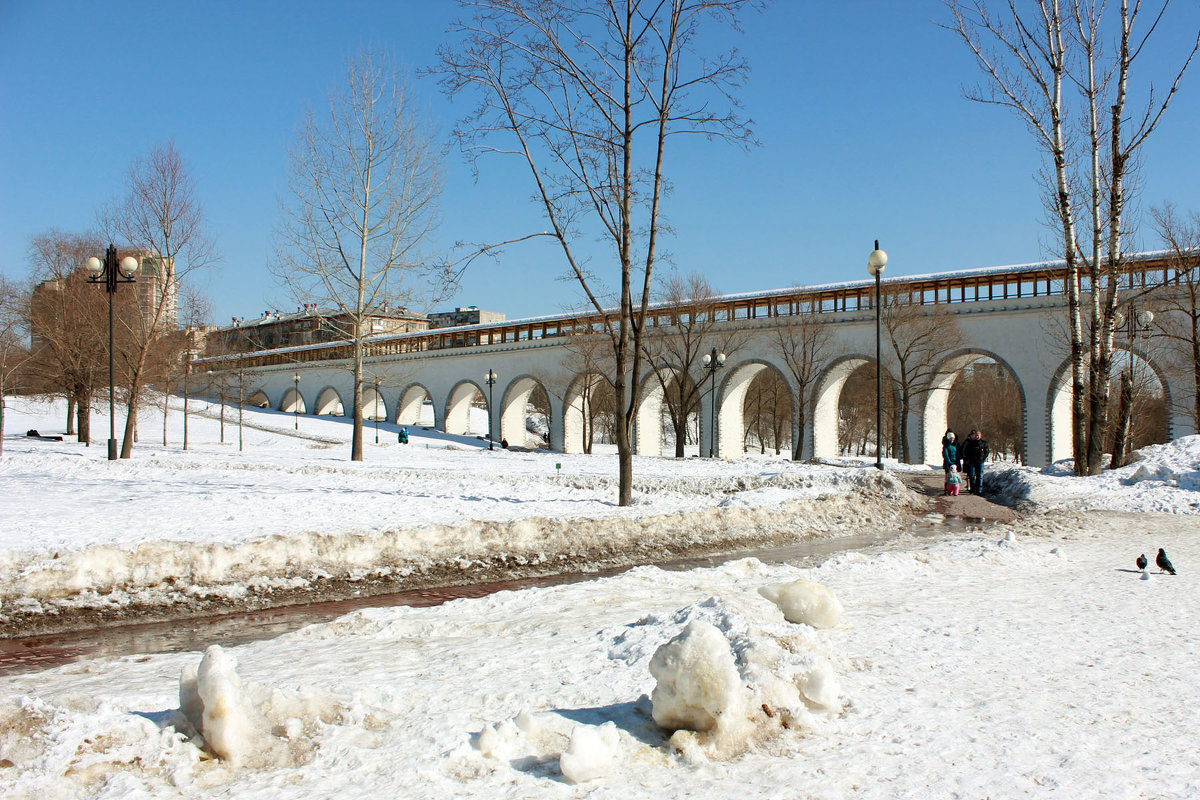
(932,486)
(34,653)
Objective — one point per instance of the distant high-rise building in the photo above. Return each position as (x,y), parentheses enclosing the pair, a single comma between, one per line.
(154,284)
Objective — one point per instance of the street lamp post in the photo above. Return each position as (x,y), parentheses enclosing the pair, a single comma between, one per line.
(875,265)
(296,401)
(375,410)
(187,367)
(490,380)
(712,362)
(241,401)
(110,272)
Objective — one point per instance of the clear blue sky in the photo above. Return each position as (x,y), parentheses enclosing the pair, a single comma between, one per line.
(858,105)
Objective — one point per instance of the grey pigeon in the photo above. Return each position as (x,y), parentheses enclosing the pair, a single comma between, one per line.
(1141,561)
(1164,563)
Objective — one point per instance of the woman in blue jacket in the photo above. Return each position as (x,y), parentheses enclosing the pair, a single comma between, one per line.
(951,457)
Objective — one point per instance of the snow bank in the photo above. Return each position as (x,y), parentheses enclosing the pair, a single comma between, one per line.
(1162,478)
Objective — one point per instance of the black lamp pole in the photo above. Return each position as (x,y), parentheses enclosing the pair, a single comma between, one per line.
(296,401)
(875,265)
(712,362)
(490,380)
(110,272)
(187,367)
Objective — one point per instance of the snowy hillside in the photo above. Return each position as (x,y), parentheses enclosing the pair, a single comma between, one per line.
(216,527)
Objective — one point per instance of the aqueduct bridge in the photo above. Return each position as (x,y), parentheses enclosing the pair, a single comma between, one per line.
(1014,316)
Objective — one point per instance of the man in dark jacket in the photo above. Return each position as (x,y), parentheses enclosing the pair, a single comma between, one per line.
(974,454)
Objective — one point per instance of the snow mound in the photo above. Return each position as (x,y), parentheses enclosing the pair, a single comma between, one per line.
(584,752)
(249,726)
(805,602)
(496,741)
(230,725)
(733,679)
(698,687)
(591,752)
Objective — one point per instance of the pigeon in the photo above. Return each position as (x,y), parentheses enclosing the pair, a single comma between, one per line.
(1164,563)
(1141,561)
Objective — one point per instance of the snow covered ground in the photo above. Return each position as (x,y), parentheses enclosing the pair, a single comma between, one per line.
(288,513)
(1029,660)
(1161,477)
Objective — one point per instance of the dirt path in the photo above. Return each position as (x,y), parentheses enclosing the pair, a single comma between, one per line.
(931,485)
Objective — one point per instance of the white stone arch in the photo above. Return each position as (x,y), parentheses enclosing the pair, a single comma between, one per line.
(259,400)
(574,410)
(648,424)
(1060,414)
(935,418)
(513,405)
(827,396)
(412,403)
(1160,374)
(458,408)
(293,402)
(374,406)
(731,409)
(329,403)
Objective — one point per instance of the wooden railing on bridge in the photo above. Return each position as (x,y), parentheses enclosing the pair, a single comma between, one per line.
(1005,283)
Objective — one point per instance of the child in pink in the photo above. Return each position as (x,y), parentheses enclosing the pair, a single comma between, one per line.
(953,480)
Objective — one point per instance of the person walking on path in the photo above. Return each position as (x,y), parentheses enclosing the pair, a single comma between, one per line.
(950,455)
(974,454)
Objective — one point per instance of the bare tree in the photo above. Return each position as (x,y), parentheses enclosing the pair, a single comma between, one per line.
(1063,68)
(917,338)
(363,194)
(1177,324)
(683,328)
(987,397)
(14,306)
(177,346)
(161,218)
(768,412)
(588,360)
(856,414)
(68,323)
(802,341)
(588,94)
